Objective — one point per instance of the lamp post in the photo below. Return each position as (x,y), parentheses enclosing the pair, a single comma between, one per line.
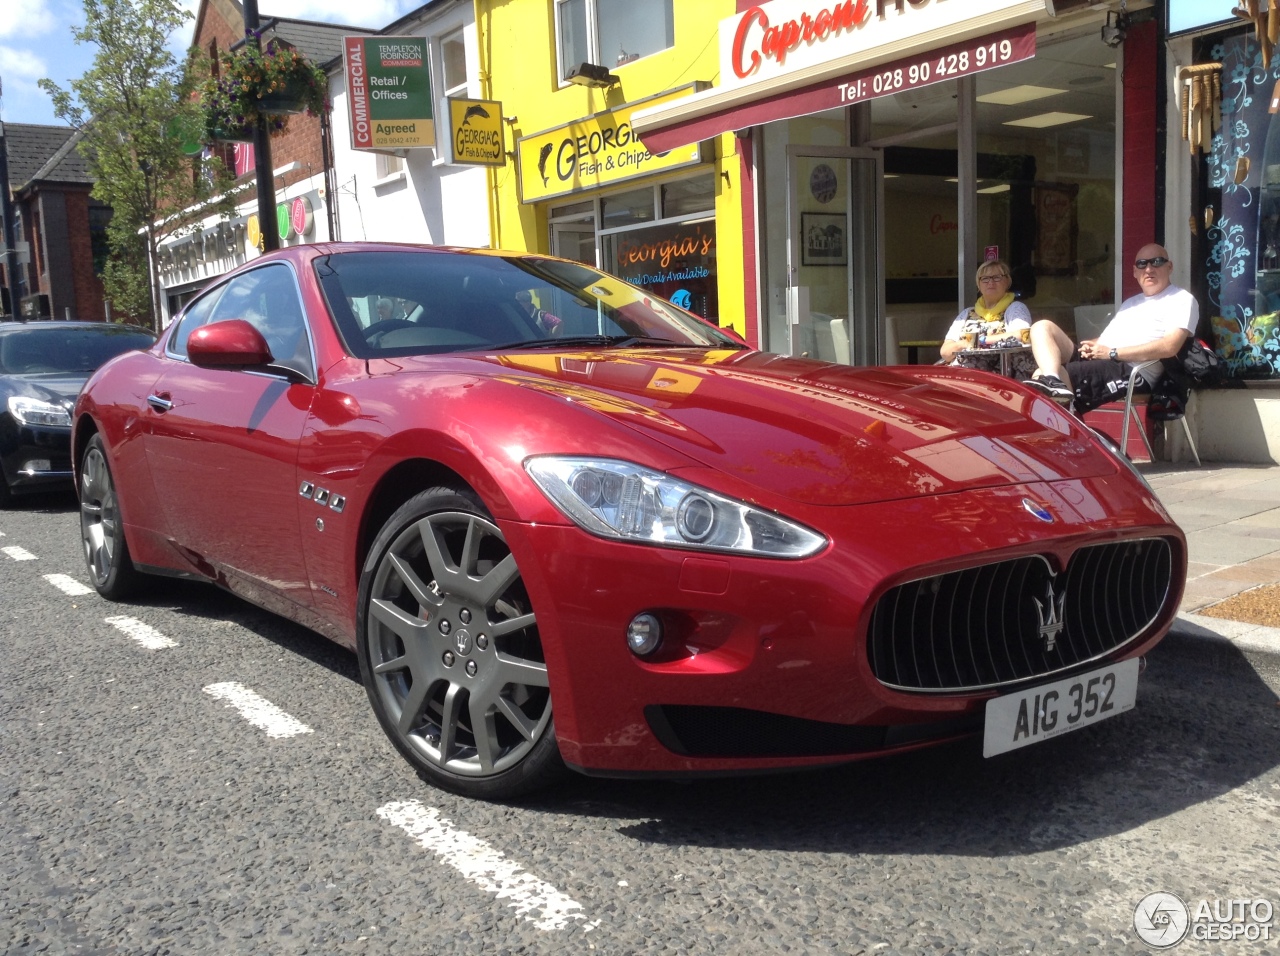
(262,149)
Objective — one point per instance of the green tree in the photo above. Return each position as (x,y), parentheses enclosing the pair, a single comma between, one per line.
(133,107)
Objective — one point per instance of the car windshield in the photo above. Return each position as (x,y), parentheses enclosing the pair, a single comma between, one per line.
(417,302)
(49,348)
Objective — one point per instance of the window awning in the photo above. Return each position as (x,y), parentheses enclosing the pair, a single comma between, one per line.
(832,83)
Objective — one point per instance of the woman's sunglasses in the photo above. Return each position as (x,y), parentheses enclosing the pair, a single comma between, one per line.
(1159,262)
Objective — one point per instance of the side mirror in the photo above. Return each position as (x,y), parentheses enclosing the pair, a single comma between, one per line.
(233,343)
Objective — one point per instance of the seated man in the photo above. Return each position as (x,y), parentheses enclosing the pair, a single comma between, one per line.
(1148,326)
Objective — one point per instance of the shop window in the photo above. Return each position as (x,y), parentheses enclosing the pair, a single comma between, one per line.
(1235,209)
(1046,191)
(661,238)
(610,33)
(627,209)
(687,196)
(586,208)
(674,261)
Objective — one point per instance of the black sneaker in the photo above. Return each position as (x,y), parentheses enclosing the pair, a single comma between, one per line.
(1052,386)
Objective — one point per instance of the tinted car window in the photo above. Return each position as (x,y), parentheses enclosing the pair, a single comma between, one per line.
(47,348)
(267,298)
(196,315)
(450,301)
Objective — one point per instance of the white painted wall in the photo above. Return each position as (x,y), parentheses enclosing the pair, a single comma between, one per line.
(1230,424)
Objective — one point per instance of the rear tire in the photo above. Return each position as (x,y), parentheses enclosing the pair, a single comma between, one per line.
(106,553)
(450,652)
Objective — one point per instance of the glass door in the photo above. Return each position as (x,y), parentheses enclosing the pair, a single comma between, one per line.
(574,240)
(835,294)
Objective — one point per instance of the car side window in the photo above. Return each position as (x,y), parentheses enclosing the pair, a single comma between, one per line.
(196,315)
(267,299)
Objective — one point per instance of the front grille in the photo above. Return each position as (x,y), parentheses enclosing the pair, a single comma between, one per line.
(1005,622)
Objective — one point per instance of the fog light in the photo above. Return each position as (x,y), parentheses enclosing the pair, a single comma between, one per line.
(36,465)
(644,634)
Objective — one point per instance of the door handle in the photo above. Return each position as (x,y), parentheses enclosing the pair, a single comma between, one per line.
(160,402)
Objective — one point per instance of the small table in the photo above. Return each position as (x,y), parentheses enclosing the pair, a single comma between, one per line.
(1006,354)
(913,348)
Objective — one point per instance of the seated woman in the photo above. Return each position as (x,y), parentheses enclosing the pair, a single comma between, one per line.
(996,319)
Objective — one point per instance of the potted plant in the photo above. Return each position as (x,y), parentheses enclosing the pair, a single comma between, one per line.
(272,82)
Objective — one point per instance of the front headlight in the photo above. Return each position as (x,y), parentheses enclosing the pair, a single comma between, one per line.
(32,411)
(620,499)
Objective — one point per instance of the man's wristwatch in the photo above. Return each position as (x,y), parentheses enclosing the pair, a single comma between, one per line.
(1115,356)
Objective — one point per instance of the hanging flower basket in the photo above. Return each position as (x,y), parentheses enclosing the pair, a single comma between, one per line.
(270,83)
(289,99)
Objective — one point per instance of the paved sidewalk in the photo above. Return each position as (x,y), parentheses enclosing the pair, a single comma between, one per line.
(1230,514)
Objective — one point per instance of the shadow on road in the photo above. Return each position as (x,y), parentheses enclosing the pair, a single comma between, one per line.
(46,502)
(1204,724)
(197,599)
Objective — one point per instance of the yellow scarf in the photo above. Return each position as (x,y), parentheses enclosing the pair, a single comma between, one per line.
(993,315)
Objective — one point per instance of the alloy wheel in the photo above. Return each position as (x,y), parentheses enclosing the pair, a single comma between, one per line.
(455,657)
(99,516)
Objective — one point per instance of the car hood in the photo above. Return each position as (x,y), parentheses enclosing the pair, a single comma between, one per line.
(58,387)
(819,433)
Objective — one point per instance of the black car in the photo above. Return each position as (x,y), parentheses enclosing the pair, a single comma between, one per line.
(43,365)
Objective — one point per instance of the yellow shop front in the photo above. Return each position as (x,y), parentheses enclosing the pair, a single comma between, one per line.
(579,183)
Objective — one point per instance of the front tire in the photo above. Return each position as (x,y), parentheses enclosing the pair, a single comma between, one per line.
(106,553)
(450,652)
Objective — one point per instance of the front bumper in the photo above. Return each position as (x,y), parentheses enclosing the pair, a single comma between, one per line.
(35,457)
(765,664)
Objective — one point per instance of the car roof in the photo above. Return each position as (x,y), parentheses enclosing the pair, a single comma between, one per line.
(12,326)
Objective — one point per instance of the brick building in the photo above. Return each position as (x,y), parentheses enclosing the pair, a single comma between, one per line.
(62,226)
(300,158)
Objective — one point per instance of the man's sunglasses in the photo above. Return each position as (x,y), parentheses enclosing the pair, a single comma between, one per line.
(1159,262)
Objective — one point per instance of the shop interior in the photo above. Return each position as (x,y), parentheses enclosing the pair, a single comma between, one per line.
(1044,181)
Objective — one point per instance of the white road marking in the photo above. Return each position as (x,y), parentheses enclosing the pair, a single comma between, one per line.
(144,634)
(18,554)
(483,865)
(257,710)
(67,584)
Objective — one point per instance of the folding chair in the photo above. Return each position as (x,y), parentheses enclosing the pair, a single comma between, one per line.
(1132,398)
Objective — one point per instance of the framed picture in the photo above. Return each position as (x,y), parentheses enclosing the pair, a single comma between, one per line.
(1055,229)
(824,239)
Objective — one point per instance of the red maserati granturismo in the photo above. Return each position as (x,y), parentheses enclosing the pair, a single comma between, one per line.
(564,523)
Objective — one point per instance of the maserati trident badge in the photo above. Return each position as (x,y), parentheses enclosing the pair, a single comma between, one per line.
(1050,611)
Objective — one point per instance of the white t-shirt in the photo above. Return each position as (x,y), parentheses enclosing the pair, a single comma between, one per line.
(1145,318)
(1016,316)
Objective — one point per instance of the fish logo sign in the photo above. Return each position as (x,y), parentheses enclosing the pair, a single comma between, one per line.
(543,156)
(476,110)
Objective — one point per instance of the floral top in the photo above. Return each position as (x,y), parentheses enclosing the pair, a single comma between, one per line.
(989,335)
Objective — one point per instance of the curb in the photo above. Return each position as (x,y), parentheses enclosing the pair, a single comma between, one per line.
(1253,638)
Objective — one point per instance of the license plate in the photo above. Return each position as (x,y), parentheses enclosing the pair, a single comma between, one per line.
(1038,713)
